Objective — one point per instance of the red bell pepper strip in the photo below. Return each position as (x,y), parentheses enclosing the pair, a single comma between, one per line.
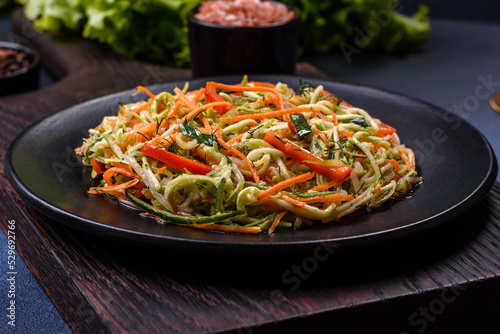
(98,166)
(212,96)
(174,160)
(384,129)
(303,156)
(292,128)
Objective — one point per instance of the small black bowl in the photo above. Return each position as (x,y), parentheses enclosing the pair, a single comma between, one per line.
(221,49)
(22,80)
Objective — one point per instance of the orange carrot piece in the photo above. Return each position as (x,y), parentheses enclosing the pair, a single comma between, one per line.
(278,99)
(276,221)
(161,169)
(405,159)
(332,198)
(227,228)
(205,122)
(165,142)
(197,94)
(322,136)
(195,112)
(120,170)
(173,110)
(262,84)
(121,165)
(181,96)
(345,133)
(237,138)
(142,107)
(325,186)
(98,166)
(293,201)
(270,114)
(145,90)
(121,186)
(285,184)
(82,148)
(395,164)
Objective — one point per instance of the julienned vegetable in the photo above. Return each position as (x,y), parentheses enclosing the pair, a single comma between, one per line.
(156,31)
(274,158)
(334,170)
(174,160)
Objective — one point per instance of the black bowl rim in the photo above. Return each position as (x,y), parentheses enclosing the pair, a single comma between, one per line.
(296,18)
(35,58)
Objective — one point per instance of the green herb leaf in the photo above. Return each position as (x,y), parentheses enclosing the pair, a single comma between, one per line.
(305,87)
(361,121)
(303,128)
(188,129)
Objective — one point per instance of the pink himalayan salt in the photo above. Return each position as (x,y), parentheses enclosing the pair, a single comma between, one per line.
(243,13)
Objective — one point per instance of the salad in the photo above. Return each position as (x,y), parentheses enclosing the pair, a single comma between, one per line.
(247,157)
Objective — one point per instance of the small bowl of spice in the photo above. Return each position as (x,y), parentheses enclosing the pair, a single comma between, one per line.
(243,37)
(19,68)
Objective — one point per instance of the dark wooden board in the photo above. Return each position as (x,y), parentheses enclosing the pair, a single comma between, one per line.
(444,280)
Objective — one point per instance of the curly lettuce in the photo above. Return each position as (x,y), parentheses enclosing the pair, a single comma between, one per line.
(149,30)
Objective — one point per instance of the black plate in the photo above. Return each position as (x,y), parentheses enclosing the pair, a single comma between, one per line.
(456,161)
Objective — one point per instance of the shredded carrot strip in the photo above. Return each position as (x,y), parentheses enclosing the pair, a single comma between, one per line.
(333,198)
(277,98)
(394,163)
(227,228)
(121,186)
(195,112)
(270,114)
(334,117)
(405,159)
(283,132)
(82,148)
(197,94)
(173,110)
(276,221)
(237,138)
(165,142)
(293,201)
(161,169)
(142,107)
(325,186)
(205,122)
(285,184)
(377,187)
(145,90)
(108,174)
(121,165)
(262,84)
(181,96)
(322,136)
(147,127)
(345,133)
(120,170)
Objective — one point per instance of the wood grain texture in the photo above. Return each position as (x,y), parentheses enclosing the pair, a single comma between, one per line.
(444,280)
